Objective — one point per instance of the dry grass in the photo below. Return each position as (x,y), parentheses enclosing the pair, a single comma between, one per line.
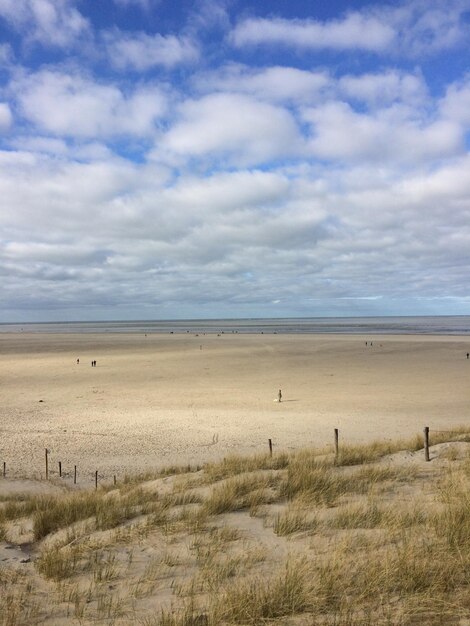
(345,541)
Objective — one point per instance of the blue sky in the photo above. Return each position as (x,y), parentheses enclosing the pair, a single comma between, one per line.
(164,159)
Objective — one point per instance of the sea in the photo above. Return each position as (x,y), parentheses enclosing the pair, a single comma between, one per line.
(423,325)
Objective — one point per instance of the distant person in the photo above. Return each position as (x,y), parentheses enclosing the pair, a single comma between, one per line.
(94,363)
(279,395)
(78,361)
(468,354)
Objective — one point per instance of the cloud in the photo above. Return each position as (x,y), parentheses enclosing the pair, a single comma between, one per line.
(76,106)
(142,52)
(413,28)
(54,23)
(342,34)
(393,135)
(384,88)
(6,117)
(232,126)
(276,84)
(144,4)
(425,28)
(456,103)
(6,55)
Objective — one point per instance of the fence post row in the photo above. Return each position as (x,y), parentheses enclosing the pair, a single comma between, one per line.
(270,443)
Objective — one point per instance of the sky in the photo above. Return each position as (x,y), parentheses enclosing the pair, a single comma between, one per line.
(168,159)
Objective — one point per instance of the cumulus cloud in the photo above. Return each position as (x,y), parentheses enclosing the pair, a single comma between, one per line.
(166,178)
(412,28)
(6,54)
(392,134)
(144,4)
(233,126)
(55,23)
(141,52)
(343,34)
(425,28)
(456,103)
(6,117)
(77,106)
(384,88)
(277,83)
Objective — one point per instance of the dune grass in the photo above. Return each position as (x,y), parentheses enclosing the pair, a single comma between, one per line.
(302,538)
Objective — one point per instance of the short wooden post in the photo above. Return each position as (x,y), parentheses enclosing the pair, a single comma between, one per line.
(336,441)
(4,469)
(47,464)
(96,479)
(60,469)
(270,447)
(114,477)
(74,474)
(426,443)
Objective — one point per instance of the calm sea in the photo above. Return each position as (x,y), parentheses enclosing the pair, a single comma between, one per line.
(441,325)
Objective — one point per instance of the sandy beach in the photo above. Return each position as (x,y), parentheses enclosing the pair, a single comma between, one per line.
(182,398)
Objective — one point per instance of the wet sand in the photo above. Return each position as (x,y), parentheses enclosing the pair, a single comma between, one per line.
(161,399)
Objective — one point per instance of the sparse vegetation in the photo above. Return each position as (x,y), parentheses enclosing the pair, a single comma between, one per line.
(345,541)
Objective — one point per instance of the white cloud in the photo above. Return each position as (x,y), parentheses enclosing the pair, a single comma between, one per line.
(6,118)
(456,103)
(142,52)
(343,34)
(277,83)
(425,28)
(415,28)
(144,4)
(384,88)
(233,126)
(55,23)
(6,55)
(390,135)
(76,106)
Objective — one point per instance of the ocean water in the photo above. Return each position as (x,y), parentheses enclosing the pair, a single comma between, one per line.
(439,325)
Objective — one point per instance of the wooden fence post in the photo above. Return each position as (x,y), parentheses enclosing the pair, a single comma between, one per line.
(4,469)
(336,441)
(47,464)
(270,447)
(96,479)
(74,474)
(60,469)
(426,443)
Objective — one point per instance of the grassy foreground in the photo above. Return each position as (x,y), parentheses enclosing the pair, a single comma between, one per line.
(376,536)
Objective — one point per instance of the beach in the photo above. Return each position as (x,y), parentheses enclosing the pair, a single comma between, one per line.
(159,399)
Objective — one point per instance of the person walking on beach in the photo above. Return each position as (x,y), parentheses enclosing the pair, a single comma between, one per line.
(279,395)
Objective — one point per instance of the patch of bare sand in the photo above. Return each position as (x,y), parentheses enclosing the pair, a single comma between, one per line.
(180,399)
